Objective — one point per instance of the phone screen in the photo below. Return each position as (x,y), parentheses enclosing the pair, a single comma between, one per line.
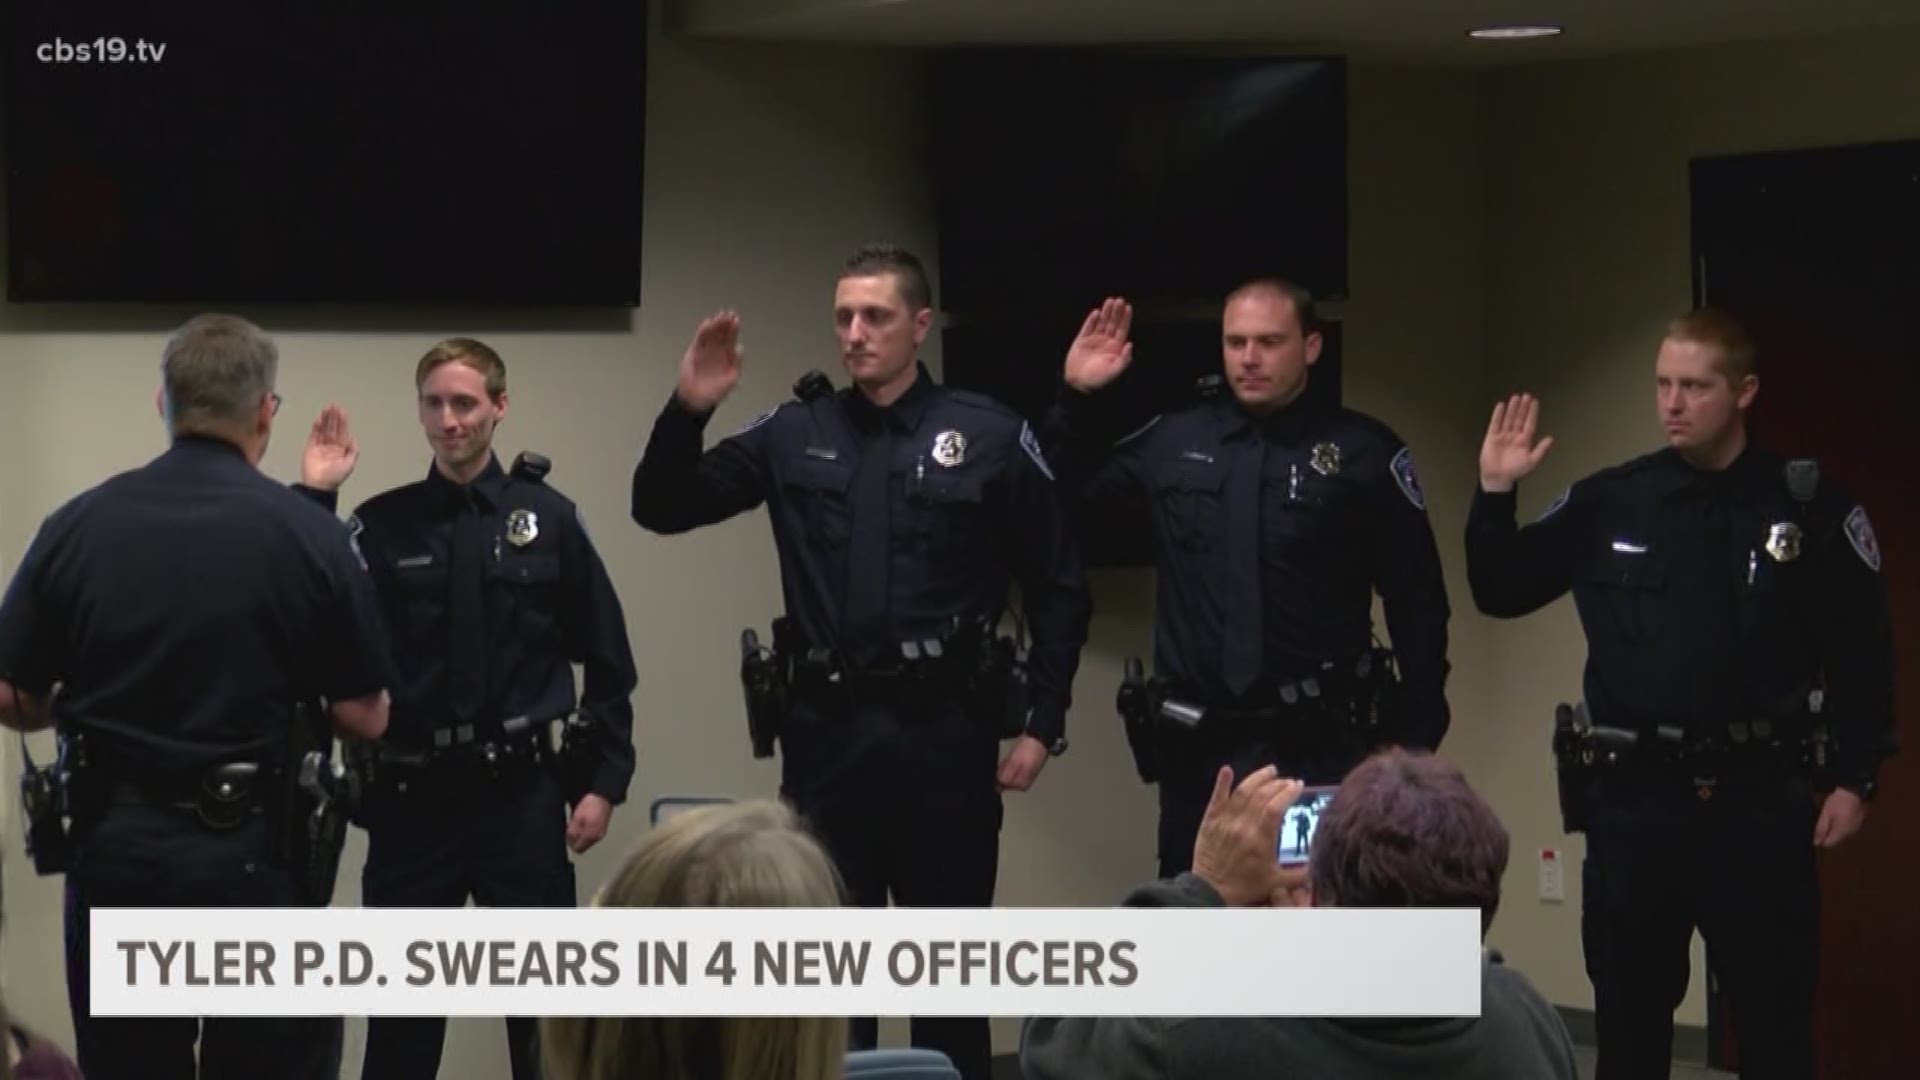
(1297,829)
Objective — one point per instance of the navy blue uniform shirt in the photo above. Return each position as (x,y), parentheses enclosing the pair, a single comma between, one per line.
(548,603)
(185,606)
(962,504)
(1302,515)
(1706,597)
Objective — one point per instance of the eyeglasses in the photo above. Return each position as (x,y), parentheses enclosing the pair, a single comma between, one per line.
(275,398)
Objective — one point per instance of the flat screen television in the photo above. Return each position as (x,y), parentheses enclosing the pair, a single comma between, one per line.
(230,151)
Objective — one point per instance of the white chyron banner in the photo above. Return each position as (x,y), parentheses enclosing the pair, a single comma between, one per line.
(785,962)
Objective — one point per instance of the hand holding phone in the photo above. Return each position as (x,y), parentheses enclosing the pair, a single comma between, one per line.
(1301,822)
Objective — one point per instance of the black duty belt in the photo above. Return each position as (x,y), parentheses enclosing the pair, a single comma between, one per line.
(223,797)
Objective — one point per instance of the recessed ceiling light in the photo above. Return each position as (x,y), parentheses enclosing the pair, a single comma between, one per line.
(1513,33)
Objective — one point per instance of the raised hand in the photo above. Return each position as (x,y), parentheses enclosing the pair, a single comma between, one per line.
(1509,453)
(711,368)
(1101,351)
(331,451)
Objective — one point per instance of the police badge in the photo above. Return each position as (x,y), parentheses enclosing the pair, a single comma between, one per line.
(1326,459)
(1783,541)
(949,448)
(523,527)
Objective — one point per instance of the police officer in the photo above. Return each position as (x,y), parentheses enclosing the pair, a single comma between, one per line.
(493,591)
(183,609)
(900,508)
(1274,519)
(1718,586)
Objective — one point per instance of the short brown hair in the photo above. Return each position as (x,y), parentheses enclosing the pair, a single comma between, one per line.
(1718,329)
(1303,306)
(1407,830)
(909,275)
(216,371)
(464,350)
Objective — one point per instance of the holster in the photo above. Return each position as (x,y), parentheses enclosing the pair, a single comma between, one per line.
(1573,765)
(997,687)
(769,693)
(577,758)
(1138,710)
(52,799)
(316,800)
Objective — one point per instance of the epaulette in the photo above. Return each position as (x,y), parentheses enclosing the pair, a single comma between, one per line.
(980,401)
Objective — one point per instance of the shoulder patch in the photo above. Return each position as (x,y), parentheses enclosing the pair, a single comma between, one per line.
(1031,445)
(1860,535)
(1409,481)
(979,401)
(1139,431)
(1558,504)
(757,421)
(354,528)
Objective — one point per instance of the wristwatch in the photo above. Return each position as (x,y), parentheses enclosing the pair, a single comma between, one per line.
(1866,789)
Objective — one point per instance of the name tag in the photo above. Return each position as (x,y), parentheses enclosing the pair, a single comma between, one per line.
(1628,547)
(416,561)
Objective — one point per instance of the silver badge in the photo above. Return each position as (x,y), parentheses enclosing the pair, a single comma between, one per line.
(1326,459)
(949,448)
(522,528)
(1783,541)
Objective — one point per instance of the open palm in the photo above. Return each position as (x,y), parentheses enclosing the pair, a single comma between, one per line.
(1101,351)
(331,451)
(1510,453)
(711,367)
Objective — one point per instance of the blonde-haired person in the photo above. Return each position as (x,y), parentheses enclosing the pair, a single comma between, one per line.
(751,854)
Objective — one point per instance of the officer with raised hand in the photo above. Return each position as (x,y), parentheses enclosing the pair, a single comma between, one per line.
(1720,587)
(493,591)
(186,610)
(1275,519)
(902,512)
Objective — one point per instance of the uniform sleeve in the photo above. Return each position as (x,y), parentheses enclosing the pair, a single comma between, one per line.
(325,500)
(30,637)
(595,627)
(1413,590)
(677,488)
(1514,571)
(1053,585)
(354,654)
(1854,628)
(1099,470)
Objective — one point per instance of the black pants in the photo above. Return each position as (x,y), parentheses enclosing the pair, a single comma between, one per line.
(906,804)
(1738,866)
(144,856)
(1193,759)
(444,836)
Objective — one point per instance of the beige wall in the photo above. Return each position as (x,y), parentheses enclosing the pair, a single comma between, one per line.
(1588,246)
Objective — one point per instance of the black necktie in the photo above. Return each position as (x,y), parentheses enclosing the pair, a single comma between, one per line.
(466,611)
(865,628)
(1242,650)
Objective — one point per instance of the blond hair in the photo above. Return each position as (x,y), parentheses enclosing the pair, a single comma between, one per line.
(748,855)
(470,352)
(1719,330)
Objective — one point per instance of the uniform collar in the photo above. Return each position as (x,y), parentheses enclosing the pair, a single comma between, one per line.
(490,485)
(1750,473)
(206,446)
(904,414)
(1287,425)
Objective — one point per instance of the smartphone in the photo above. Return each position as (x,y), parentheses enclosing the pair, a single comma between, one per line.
(666,806)
(1297,829)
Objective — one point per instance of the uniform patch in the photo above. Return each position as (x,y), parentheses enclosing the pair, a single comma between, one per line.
(1558,504)
(1326,460)
(1031,444)
(949,448)
(1409,481)
(755,422)
(523,527)
(1860,535)
(354,529)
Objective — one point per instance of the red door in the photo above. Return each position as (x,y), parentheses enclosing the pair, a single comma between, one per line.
(1839,381)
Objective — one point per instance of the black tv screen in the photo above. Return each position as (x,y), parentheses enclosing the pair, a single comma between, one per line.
(226,151)
(1063,176)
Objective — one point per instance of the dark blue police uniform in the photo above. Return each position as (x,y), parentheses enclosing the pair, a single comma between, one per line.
(892,525)
(1270,537)
(184,608)
(1714,604)
(491,591)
